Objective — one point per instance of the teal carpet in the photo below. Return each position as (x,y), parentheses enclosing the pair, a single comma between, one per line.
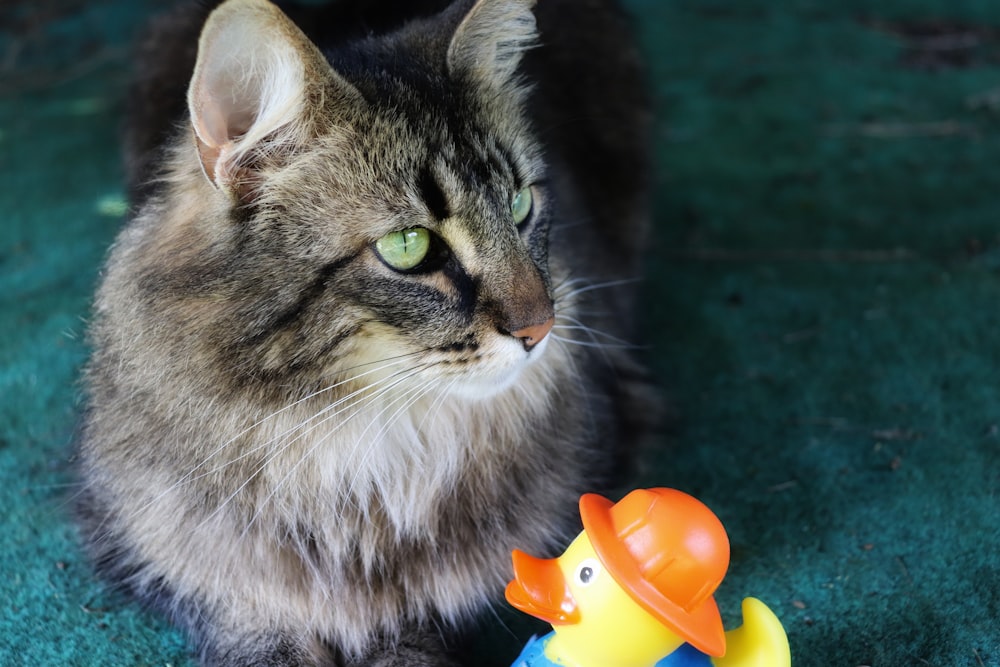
(823,309)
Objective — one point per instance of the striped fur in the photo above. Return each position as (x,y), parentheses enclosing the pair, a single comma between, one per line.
(298,454)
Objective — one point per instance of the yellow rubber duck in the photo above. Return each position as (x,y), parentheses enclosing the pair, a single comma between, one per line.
(636,589)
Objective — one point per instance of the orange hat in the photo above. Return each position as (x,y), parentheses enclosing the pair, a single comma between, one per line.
(670,553)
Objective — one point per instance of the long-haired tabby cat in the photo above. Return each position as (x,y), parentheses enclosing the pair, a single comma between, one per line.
(362,335)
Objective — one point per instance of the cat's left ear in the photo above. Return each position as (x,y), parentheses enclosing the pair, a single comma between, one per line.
(489,42)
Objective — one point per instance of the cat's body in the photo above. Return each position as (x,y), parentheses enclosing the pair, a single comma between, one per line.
(302,446)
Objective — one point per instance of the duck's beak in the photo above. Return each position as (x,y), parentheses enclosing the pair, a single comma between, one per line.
(539,588)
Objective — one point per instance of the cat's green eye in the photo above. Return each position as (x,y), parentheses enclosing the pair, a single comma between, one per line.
(406,249)
(520,207)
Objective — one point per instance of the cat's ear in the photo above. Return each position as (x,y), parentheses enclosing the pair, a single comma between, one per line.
(490,41)
(257,84)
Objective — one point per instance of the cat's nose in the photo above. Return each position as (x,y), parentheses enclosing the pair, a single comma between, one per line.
(533,335)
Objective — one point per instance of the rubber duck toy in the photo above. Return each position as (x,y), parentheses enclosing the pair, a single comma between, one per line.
(636,589)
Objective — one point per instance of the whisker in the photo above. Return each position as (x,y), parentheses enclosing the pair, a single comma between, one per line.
(583,343)
(302,424)
(273,455)
(590,286)
(593,333)
(571,281)
(187,478)
(437,403)
(307,454)
(407,402)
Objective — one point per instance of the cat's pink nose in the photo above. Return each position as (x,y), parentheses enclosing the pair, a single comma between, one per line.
(533,335)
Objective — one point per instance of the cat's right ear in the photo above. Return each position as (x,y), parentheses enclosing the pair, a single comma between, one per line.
(257,85)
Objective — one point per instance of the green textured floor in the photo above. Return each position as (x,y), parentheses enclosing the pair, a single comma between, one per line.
(824,308)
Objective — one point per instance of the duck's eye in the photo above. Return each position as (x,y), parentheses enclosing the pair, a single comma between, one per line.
(404,250)
(587,571)
(521,205)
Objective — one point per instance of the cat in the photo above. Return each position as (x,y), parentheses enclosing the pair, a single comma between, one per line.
(365,329)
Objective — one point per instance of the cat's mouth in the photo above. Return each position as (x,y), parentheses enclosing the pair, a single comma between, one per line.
(497,368)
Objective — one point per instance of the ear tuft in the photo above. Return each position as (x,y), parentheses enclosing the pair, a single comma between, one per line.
(251,83)
(491,39)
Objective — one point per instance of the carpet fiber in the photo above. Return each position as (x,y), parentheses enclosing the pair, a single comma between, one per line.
(822,308)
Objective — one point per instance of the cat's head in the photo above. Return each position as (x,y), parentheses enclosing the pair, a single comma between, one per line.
(387,203)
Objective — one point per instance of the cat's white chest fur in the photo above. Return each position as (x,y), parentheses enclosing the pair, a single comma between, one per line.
(399,450)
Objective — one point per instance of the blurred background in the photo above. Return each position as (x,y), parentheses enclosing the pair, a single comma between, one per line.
(822,308)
